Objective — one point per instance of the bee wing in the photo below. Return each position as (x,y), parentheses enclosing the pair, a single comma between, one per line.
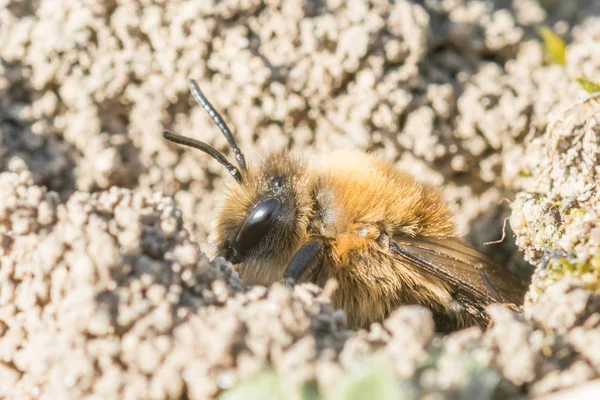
(469,272)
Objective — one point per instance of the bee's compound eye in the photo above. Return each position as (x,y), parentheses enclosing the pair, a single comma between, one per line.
(257,223)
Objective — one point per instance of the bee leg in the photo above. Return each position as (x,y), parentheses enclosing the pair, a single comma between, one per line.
(303,264)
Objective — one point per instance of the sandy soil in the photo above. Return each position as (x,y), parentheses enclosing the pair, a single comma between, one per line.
(107,288)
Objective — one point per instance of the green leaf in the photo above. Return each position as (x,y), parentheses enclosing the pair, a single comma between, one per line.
(310,391)
(370,382)
(555,45)
(525,173)
(589,86)
(482,381)
(264,386)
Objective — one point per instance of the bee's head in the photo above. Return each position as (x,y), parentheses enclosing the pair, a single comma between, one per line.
(266,210)
(262,219)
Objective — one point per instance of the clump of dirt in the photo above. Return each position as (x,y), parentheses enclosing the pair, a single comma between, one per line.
(106,295)
(557,220)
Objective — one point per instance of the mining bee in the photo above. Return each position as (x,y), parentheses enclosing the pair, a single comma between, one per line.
(386,238)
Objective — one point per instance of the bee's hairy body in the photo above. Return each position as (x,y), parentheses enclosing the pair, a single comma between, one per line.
(387,239)
(356,205)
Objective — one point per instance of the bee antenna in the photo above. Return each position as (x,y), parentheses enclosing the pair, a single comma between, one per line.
(216,117)
(205,147)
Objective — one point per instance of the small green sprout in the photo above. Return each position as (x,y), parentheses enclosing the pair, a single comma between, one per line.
(555,46)
(370,382)
(589,86)
(264,386)
(525,173)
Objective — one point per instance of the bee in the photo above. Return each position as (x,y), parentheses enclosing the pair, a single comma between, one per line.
(386,238)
